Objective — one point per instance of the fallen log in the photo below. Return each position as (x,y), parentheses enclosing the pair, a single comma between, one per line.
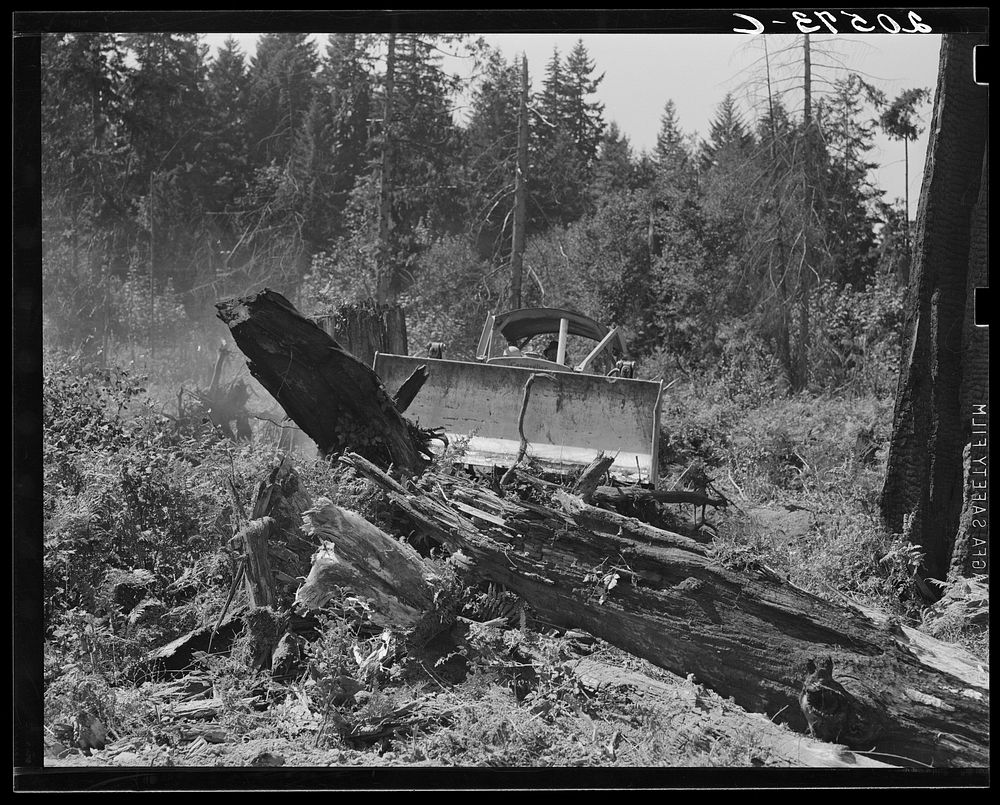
(357,555)
(746,633)
(178,657)
(366,561)
(404,591)
(334,398)
(698,716)
(616,496)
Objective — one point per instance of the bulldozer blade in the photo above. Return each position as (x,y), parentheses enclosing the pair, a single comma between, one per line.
(569,417)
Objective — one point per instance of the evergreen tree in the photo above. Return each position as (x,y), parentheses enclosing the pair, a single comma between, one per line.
(227,143)
(168,123)
(427,137)
(727,132)
(348,85)
(311,178)
(614,169)
(550,106)
(85,221)
(900,121)
(583,117)
(566,136)
(671,152)
(490,152)
(850,197)
(407,193)
(83,141)
(282,85)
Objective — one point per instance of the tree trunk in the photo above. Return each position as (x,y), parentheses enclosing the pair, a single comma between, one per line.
(746,633)
(520,191)
(969,553)
(698,716)
(338,401)
(943,388)
(364,328)
(259,580)
(385,278)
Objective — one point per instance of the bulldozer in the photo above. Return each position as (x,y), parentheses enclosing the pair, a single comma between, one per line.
(524,389)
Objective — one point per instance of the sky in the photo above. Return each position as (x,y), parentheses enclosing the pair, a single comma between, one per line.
(643,71)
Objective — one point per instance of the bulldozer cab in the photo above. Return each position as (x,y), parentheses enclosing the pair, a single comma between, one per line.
(566,340)
(583,399)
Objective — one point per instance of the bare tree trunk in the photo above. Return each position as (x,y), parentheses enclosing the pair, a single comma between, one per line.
(151,290)
(520,200)
(338,401)
(943,375)
(384,291)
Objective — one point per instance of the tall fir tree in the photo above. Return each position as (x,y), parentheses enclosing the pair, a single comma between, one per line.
(228,143)
(614,169)
(566,137)
(851,198)
(583,116)
(347,88)
(490,147)
(671,150)
(168,122)
(282,84)
(86,225)
(727,132)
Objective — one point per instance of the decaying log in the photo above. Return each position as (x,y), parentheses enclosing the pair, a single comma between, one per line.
(700,717)
(359,556)
(177,657)
(616,496)
(696,715)
(609,522)
(591,476)
(745,633)
(404,591)
(338,401)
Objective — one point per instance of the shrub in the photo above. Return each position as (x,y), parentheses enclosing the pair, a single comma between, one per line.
(856,336)
(125,493)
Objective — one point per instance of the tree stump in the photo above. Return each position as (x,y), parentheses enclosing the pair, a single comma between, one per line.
(338,401)
(367,327)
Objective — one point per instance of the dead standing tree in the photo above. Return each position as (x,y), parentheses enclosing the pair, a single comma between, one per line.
(934,490)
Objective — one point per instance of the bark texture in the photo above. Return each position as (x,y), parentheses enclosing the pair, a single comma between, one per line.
(744,632)
(365,328)
(698,716)
(338,401)
(944,361)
